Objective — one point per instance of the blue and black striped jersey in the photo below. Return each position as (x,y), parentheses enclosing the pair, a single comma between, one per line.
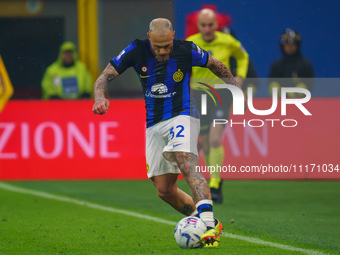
(165,84)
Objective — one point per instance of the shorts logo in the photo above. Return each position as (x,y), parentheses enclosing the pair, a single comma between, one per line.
(147,167)
(178,76)
(144,69)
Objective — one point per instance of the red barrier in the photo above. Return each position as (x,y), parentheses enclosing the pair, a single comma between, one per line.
(65,140)
(273,151)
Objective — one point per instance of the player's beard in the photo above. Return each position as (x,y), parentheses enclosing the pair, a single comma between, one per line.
(166,58)
(160,59)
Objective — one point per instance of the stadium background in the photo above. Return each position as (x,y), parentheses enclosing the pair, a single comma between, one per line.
(40,135)
(66,174)
(40,30)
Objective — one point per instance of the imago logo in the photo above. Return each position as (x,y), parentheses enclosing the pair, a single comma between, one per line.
(239,105)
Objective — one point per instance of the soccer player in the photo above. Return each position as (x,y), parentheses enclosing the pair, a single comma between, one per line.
(164,65)
(222,46)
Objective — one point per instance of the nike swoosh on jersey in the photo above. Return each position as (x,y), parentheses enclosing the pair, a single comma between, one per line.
(143,77)
(175,145)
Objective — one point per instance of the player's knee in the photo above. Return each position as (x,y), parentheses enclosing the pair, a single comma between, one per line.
(165,192)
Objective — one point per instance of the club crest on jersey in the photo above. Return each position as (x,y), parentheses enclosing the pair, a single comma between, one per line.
(144,69)
(178,76)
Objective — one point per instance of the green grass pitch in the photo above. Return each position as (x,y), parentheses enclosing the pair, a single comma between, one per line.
(300,214)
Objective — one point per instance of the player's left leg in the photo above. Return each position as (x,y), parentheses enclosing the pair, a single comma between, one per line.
(168,191)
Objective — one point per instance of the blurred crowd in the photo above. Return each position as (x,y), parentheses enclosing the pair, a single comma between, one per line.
(69,78)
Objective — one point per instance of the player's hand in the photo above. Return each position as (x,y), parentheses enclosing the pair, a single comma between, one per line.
(101,106)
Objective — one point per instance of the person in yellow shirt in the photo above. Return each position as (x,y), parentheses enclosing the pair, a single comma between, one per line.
(67,77)
(221,46)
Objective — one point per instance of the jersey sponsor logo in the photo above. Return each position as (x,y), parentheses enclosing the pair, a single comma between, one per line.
(159,90)
(178,76)
(144,69)
(149,94)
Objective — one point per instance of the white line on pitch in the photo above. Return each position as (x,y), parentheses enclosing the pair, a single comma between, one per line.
(46,195)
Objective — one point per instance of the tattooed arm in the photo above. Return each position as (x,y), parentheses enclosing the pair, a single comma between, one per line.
(101,104)
(220,70)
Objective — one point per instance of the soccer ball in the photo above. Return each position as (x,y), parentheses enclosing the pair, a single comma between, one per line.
(188,232)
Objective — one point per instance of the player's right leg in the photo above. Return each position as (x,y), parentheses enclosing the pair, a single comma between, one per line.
(164,173)
(168,191)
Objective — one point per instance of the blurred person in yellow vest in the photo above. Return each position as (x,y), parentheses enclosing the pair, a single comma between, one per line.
(67,77)
(222,46)
(6,88)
